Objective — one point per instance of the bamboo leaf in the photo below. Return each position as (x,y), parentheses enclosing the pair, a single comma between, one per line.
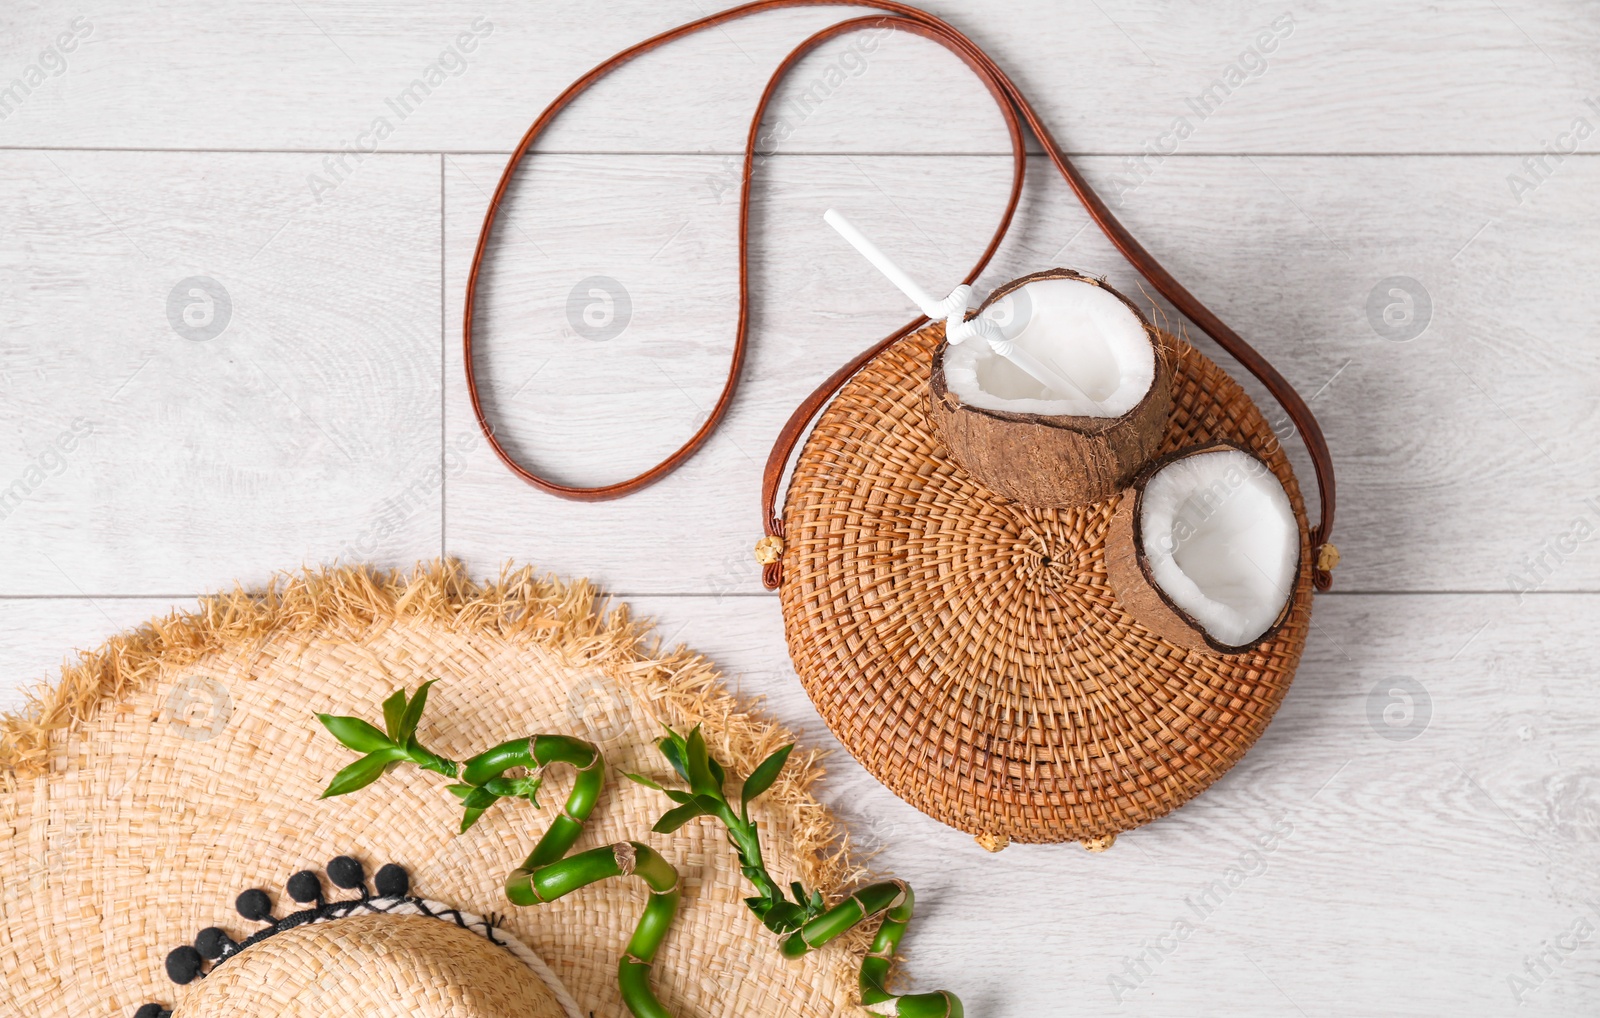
(474,801)
(362,773)
(764,775)
(758,875)
(525,787)
(673,751)
(783,917)
(394,709)
(677,817)
(413,714)
(356,734)
(696,759)
(674,794)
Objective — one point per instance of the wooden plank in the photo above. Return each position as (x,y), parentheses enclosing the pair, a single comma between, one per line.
(1483,492)
(38,635)
(1109,76)
(139,456)
(1460,452)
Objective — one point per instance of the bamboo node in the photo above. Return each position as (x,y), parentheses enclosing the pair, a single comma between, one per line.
(1099,844)
(626,855)
(768,549)
(1327,557)
(533,886)
(991,842)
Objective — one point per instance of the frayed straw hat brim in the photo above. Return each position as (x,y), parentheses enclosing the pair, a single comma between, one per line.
(181,764)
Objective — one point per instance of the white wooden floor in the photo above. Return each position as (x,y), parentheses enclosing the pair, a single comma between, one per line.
(1440,858)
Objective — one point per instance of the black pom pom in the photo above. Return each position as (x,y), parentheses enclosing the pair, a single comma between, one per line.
(151,1011)
(212,942)
(392,881)
(345,872)
(183,965)
(304,887)
(254,904)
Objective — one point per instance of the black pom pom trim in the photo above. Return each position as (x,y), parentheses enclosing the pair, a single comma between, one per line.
(183,965)
(305,887)
(213,942)
(347,873)
(392,881)
(255,905)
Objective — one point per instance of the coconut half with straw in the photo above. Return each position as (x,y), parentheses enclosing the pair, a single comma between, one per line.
(1042,446)
(1204,549)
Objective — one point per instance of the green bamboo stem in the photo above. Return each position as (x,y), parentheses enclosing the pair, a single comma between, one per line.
(536,884)
(548,873)
(802,924)
(894,901)
(536,754)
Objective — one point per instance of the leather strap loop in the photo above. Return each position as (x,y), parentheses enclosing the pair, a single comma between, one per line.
(1016,110)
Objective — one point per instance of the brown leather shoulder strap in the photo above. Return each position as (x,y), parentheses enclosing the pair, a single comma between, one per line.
(1016,110)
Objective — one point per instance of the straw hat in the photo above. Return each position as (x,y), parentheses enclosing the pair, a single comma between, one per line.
(180,765)
(382,965)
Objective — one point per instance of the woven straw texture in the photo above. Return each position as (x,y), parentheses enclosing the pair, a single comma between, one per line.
(374,966)
(180,764)
(970,652)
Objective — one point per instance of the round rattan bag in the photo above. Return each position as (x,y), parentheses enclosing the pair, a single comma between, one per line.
(969,651)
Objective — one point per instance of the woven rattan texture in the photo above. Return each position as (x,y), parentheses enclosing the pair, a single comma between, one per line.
(197,770)
(970,652)
(373,966)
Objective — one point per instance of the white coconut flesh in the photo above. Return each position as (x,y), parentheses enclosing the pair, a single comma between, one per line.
(1083,332)
(1221,541)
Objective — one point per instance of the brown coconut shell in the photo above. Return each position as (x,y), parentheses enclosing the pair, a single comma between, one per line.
(1053,462)
(1128,569)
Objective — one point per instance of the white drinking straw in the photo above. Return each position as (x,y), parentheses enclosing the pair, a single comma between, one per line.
(953,309)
